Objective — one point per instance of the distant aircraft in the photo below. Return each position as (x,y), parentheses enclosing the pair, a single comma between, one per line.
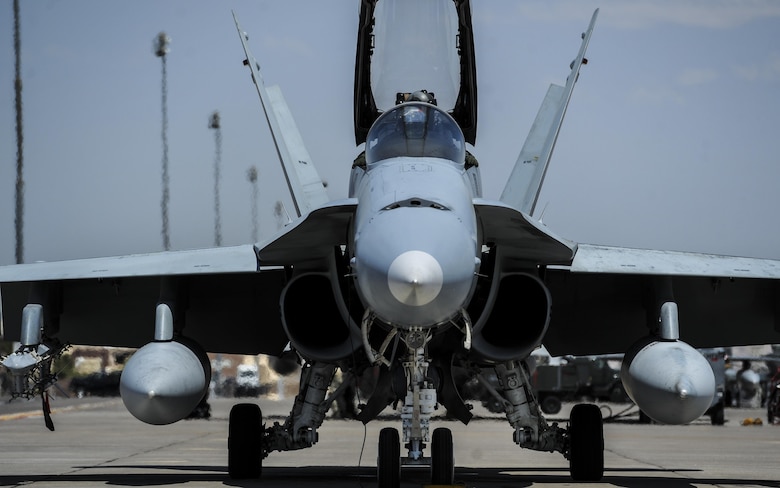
(411,276)
(745,386)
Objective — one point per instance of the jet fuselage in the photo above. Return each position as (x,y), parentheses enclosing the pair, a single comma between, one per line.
(415,243)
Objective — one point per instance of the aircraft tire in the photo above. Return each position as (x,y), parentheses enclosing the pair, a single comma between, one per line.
(644,418)
(617,394)
(388,464)
(245,436)
(551,404)
(586,443)
(718,417)
(442,460)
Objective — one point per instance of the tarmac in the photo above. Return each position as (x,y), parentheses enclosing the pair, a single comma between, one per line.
(97,443)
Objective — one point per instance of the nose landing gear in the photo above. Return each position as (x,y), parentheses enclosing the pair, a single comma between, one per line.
(388,466)
(419,404)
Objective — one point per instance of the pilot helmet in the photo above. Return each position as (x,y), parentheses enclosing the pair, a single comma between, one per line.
(414,120)
(420,96)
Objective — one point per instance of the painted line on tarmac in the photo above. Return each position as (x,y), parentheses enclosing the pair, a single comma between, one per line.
(54,411)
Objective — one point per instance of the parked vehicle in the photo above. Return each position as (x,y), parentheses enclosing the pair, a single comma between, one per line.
(96,384)
(566,380)
(574,378)
(247,381)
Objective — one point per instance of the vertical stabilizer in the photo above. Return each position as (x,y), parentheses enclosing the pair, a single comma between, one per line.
(306,187)
(524,184)
(309,191)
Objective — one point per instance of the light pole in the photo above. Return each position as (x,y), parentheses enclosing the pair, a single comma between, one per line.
(214,124)
(160,50)
(19,218)
(251,175)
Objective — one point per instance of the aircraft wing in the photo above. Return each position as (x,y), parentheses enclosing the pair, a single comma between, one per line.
(618,260)
(519,236)
(229,303)
(607,297)
(312,238)
(239,259)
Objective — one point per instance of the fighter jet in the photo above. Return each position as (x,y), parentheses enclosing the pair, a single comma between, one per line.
(414,274)
(747,384)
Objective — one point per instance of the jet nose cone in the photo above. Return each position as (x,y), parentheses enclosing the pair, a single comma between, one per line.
(415,278)
(414,267)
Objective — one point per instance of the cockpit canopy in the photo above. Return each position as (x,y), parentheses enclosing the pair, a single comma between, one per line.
(415,129)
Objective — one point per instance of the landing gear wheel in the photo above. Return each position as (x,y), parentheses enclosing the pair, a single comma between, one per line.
(718,417)
(773,403)
(388,463)
(617,394)
(551,405)
(644,418)
(442,461)
(586,443)
(245,441)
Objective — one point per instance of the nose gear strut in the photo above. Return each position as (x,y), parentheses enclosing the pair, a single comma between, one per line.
(420,401)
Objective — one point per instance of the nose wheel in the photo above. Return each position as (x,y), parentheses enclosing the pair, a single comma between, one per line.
(442,460)
(389,458)
(388,465)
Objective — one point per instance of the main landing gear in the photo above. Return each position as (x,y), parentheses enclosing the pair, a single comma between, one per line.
(582,443)
(249,441)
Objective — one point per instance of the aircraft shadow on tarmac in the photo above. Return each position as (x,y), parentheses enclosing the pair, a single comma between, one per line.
(272,477)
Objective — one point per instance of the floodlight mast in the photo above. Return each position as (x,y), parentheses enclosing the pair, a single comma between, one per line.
(214,124)
(251,175)
(161,43)
(161,48)
(19,211)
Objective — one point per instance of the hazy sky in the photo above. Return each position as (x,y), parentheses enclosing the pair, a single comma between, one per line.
(671,139)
